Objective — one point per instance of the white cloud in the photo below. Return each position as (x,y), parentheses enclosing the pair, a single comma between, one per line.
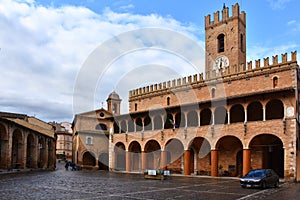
(43,49)
(278,4)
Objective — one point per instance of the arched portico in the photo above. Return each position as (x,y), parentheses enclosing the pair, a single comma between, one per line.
(17,159)
(88,159)
(152,152)
(120,157)
(267,151)
(31,161)
(3,147)
(174,155)
(134,150)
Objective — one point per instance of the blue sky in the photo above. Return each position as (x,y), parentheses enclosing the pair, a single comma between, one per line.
(45,43)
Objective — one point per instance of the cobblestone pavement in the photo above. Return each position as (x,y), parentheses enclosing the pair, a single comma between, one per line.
(61,184)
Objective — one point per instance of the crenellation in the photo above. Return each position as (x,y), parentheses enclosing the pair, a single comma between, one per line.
(266,62)
(207,21)
(275,60)
(257,64)
(216,17)
(235,10)
(225,13)
(195,78)
(232,69)
(284,58)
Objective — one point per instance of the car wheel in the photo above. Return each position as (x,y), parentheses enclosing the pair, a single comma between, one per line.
(277,184)
(263,185)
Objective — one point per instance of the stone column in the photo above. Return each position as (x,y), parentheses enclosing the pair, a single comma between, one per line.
(163,163)
(128,161)
(24,152)
(187,162)
(228,116)
(45,163)
(144,160)
(246,161)
(214,162)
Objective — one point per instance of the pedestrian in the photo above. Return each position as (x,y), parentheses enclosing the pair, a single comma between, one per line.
(67,165)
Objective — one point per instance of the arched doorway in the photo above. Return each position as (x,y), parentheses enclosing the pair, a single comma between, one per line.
(31,149)
(175,150)
(135,156)
(88,159)
(153,152)
(42,153)
(120,156)
(17,149)
(103,161)
(3,147)
(228,149)
(268,152)
(200,156)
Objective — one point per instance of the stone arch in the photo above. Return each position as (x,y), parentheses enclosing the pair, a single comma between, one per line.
(200,159)
(51,154)
(147,123)
(17,149)
(192,119)
(267,149)
(123,126)
(31,151)
(3,147)
(88,159)
(237,113)
(228,148)
(174,150)
(205,117)
(130,125)
(179,120)
(153,153)
(158,122)
(42,153)
(103,161)
(221,115)
(139,124)
(135,155)
(274,109)
(169,121)
(120,156)
(255,111)
(116,127)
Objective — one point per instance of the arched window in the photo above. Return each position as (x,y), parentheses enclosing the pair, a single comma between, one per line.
(221,43)
(205,117)
(275,82)
(135,107)
(213,92)
(115,108)
(274,109)
(254,112)
(168,101)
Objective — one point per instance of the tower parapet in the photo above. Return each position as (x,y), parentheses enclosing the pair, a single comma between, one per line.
(231,71)
(225,16)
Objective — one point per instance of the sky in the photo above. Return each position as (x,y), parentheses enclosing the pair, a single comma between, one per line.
(59,57)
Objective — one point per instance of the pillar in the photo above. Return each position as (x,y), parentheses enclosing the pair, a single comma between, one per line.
(246,161)
(163,163)
(144,160)
(128,161)
(214,162)
(187,162)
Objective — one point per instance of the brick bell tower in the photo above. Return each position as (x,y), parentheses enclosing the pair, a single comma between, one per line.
(114,103)
(225,39)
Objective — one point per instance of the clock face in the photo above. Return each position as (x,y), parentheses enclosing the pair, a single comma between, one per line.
(222,62)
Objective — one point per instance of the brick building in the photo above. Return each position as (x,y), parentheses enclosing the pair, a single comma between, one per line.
(26,142)
(63,132)
(234,117)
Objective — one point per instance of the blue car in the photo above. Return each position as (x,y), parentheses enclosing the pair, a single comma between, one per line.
(260,178)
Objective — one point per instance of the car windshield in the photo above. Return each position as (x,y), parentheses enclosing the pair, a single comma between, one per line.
(255,174)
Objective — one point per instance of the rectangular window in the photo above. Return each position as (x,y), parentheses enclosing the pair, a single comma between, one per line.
(89,140)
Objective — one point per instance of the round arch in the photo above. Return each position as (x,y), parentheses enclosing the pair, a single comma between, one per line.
(221,115)
(174,150)
(17,149)
(254,111)
(139,124)
(30,151)
(192,119)
(269,153)
(135,155)
(274,110)
(88,159)
(3,147)
(153,153)
(237,113)
(120,156)
(147,123)
(230,151)
(205,117)
(158,122)
(200,156)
